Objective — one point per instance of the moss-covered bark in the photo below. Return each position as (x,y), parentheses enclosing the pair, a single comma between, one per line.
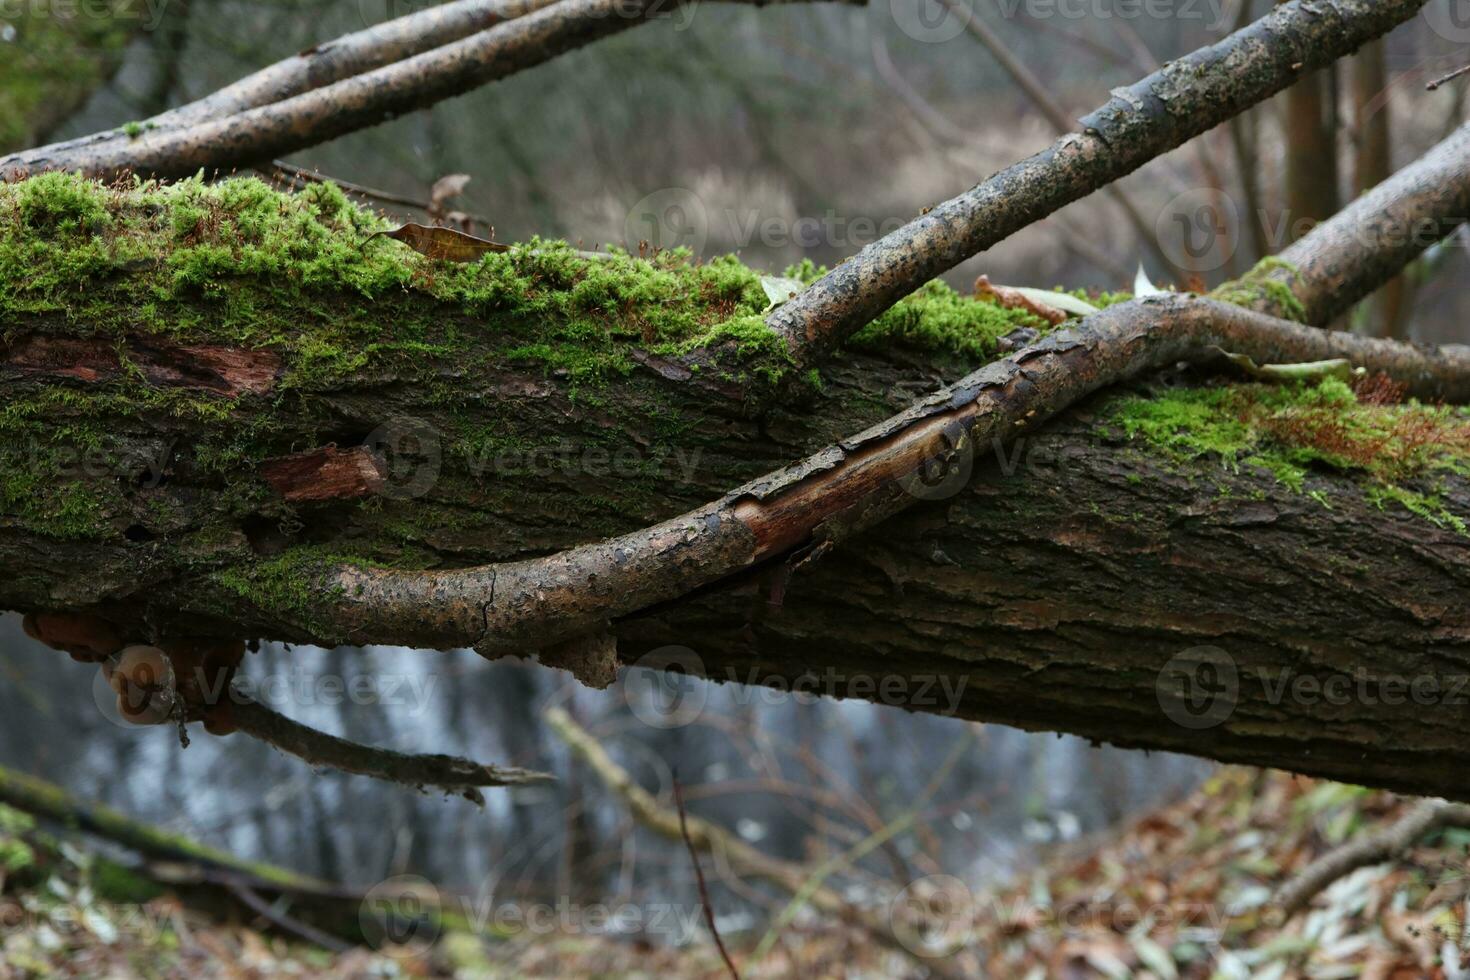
(208,391)
(205,387)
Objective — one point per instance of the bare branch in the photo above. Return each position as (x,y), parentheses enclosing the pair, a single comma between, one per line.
(1182,100)
(449,773)
(515,606)
(43,799)
(266,131)
(1448,78)
(1370,848)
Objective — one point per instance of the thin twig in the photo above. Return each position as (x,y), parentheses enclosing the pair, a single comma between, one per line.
(1448,78)
(710,838)
(1369,849)
(286,923)
(248,136)
(300,175)
(462,777)
(709,911)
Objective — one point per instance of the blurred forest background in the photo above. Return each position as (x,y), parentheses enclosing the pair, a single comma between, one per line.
(802,132)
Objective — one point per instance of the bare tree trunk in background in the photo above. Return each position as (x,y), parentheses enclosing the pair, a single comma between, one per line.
(1311,153)
(1373,164)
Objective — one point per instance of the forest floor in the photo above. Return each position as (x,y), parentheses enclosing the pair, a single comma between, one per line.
(1182,892)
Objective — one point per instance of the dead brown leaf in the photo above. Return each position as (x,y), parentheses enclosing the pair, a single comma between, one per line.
(441,243)
(1015,299)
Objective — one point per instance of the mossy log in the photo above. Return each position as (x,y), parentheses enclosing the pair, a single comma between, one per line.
(211,390)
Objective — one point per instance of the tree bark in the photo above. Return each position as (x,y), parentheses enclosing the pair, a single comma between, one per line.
(1059,598)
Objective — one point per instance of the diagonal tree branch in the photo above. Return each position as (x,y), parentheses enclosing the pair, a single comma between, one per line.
(331,61)
(1185,98)
(1061,122)
(1369,848)
(210,141)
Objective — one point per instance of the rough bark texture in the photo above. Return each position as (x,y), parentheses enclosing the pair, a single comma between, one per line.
(1059,595)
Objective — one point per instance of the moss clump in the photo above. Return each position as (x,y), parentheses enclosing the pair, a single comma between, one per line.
(62,203)
(1290,430)
(289,584)
(936,317)
(239,263)
(1260,290)
(121,885)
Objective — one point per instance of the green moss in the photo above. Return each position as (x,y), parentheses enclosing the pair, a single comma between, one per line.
(287,585)
(62,202)
(121,885)
(13,821)
(15,855)
(1290,430)
(1260,290)
(1430,506)
(936,317)
(1100,298)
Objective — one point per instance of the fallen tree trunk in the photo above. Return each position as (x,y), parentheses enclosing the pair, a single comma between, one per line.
(189,441)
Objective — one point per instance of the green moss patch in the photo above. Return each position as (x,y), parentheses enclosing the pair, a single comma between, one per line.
(1265,288)
(1290,430)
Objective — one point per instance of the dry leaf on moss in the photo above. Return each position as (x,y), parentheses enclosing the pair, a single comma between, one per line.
(442,243)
